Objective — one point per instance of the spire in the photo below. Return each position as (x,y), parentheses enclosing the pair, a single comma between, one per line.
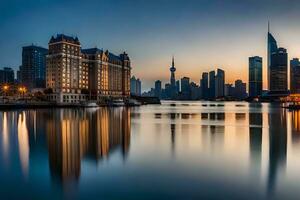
(173,61)
(268,26)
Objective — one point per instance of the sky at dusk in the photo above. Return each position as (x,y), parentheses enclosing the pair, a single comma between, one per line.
(201,34)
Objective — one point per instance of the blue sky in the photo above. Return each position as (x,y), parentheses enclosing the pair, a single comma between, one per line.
(201,34)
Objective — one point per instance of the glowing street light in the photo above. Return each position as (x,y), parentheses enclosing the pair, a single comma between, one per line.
(5,89)
(22,90)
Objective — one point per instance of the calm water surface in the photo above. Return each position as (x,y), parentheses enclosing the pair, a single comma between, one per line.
(177,150)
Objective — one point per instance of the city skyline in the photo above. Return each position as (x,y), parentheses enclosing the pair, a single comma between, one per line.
(187,30)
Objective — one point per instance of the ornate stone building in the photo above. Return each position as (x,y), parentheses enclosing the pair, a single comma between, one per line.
(76,74)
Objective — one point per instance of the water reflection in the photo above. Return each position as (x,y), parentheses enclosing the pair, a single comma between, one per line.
(73,135)
(23,142)
(295,126)
(255,143)
(170,147)
(278,147)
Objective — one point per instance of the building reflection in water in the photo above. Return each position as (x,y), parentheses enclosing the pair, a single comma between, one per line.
(277,147)
(23,143)
(173,132)
(74,134)
(5,135)
(255,141)
(295,126)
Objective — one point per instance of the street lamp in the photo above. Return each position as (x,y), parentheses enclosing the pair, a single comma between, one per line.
(22,90)
(5,89)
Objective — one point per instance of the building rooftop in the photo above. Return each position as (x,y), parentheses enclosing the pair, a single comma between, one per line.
(64,38)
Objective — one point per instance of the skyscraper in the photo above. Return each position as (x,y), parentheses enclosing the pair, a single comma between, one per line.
(255,76)
(240,90)
(33,68)
(204,85)
(185,88)
(138,87)
(279,71)
(272,48)
(7,75)
(133,86)
(157,89)
(295,75)
(212,85)
(220,83)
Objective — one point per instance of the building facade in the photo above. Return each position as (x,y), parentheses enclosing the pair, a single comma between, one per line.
(279,71)
(185,88)
(240,90)
(33,68)
(204,85)
(212,85)
(220,83)
(272,48)
(75,75)
(295,76)
(7,75)
(255,76)
(157,89)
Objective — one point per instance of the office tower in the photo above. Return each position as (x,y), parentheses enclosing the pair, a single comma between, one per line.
(229,90)
(7,75)
(133,86)
(240,90)
(278,71)
(255,76)
(138,87)
(212,85)
(19,76)
(185,88)
(177,86)
(204,85)
(220,83)
(157,89)
(195,91)
(295,75)
(33,68)
(272,48)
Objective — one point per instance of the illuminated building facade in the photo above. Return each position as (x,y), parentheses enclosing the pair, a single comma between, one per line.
(76,74)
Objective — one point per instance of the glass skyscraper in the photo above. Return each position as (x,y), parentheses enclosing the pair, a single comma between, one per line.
(255,76)
(279,71)
(33,68)
(272,48)
(295,75)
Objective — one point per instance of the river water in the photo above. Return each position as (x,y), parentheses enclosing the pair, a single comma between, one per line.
(177,150)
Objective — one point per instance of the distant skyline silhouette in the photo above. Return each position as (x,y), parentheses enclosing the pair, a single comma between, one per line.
(201,34)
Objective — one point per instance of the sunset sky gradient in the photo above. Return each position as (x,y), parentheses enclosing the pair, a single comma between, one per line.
(201,34)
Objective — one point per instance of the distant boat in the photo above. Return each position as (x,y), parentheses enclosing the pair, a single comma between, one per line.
(117,102)
(89,104)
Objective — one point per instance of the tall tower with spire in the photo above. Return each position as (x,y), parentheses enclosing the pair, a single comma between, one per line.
(272,48)
(172,70)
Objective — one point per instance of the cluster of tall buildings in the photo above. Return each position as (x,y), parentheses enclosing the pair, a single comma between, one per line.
(212,84)
(277,72)
(72,74)
(211,87)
